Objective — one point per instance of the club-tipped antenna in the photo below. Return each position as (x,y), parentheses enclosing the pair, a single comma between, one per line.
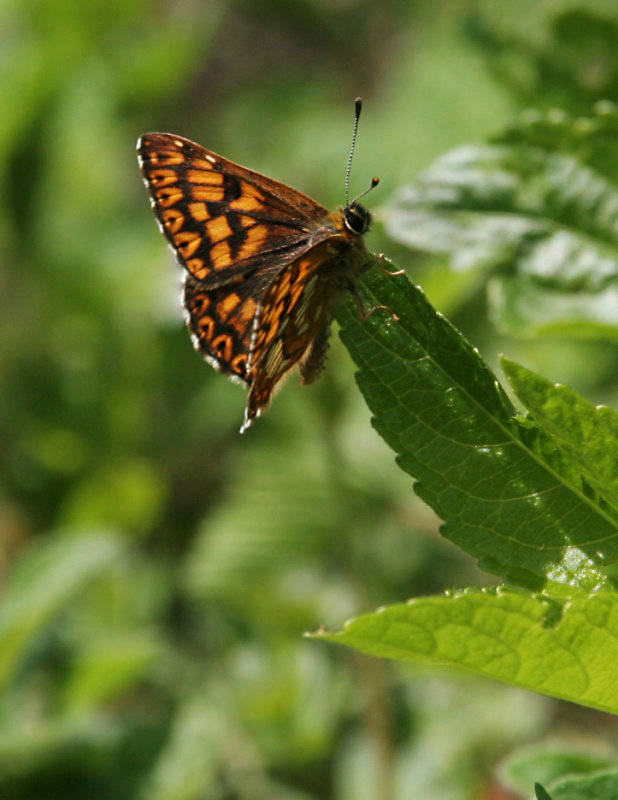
(358,105)
(374,183)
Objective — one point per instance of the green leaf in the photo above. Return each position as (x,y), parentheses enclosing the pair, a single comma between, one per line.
(42,583)
(539,210)
(588,434)
(603,786)
(549,762)
(590,139)
(509,637)
(525,308)
(31,746)
(106,669)
(556,68)
(186,766)
(506,494)
(243,542)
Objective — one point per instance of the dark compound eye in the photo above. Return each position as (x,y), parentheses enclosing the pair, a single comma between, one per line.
(357,218)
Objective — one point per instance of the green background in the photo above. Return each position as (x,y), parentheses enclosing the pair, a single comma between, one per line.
(158,569)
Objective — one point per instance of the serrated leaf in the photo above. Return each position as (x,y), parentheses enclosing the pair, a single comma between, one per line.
(545,215)
(518,639)
(460,206)
(504,492)
(588,434)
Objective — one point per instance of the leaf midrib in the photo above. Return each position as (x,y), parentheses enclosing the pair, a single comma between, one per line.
(510,437)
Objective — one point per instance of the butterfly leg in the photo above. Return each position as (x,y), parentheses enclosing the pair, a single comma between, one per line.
(362,312)
(365,314)
(381,259)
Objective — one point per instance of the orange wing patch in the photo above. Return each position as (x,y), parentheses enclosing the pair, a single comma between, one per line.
(219,229)
(173,220)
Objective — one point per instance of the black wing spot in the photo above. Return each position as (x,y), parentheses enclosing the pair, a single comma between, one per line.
(231,188)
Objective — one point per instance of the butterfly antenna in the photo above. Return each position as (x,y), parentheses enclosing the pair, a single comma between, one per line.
(358,105)
(374,183)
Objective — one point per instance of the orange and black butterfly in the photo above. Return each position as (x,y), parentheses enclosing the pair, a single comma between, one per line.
(264,264)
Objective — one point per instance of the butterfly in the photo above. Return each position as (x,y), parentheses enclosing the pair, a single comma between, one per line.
(264,264)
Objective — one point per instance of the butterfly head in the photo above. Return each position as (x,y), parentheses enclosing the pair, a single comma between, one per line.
(356,218)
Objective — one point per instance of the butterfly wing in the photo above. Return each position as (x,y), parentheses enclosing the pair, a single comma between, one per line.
(257,334)
(221,322)
(264,263)
(292,323)
(224,220)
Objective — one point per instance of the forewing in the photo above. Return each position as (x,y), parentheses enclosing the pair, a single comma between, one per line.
(224,220)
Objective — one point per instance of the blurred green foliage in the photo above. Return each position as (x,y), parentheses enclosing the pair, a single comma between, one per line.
(158,569)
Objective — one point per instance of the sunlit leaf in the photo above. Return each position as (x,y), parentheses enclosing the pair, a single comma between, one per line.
(506,494)
(525,641)
(539,212)
(587,433)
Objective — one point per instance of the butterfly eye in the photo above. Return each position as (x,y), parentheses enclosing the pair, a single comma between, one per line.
(357,218)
